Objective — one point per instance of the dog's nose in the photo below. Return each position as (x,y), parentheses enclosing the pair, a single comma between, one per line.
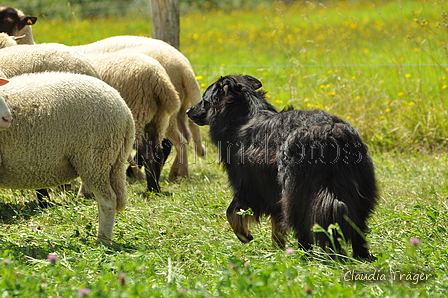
(188,111)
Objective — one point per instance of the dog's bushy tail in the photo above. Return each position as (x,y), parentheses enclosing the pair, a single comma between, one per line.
(329,181)
(328,223)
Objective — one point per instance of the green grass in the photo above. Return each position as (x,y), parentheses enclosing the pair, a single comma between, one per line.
(383,67)
(179,243)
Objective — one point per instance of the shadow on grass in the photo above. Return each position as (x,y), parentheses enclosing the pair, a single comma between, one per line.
(12,213)
(41,249)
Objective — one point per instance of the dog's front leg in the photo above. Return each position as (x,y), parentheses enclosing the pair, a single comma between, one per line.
(279,231)
(240,222)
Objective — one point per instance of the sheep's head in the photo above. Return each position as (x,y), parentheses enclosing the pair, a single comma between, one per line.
(12,20)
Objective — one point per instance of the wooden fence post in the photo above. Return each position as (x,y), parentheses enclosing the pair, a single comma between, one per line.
(165,21)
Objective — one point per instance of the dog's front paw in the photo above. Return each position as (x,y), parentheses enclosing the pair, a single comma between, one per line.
(245,238)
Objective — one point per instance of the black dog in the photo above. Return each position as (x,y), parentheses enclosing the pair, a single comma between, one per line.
(301,168)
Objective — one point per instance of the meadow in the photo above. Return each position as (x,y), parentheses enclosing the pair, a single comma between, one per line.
(380,65)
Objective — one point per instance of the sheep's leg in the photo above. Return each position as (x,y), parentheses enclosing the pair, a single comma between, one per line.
(82,193)
(106,197)
(43,198)
(179,168)
(134,169)
(197,138)
(153,157)
(156,164)
(152,169)
(107,205)
(179,134)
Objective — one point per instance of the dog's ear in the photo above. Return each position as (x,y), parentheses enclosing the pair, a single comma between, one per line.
(230,85)
(252,82)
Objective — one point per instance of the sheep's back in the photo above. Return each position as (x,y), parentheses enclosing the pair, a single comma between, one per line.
(59,118)
(23,59)
(144,85)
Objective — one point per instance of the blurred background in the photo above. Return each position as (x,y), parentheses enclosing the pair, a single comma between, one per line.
(97,8)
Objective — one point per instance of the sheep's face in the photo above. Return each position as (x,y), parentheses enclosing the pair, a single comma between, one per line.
(13,20)
(5,113)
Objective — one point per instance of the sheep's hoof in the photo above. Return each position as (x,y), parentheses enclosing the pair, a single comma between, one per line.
(200,151)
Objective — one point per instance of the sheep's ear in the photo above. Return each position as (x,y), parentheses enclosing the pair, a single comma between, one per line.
(3,81)
(252,82)
(26,20)
(29,20)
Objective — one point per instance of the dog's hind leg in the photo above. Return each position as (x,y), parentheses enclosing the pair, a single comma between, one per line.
(359,244)
(240,222)
(279,231)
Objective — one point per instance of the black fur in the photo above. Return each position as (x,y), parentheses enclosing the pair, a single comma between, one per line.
(301,168)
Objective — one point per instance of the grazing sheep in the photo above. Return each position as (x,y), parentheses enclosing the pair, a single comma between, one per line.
(65,126)
(16,23)
(17,60)
(183,78)
(148,91)
(178,68)
(146,88)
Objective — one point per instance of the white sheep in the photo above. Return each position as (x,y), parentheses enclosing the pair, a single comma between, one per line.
(146,88)
(20,59)
(181,74)
(141,80)
(178,68)
(65,126)
(183,78)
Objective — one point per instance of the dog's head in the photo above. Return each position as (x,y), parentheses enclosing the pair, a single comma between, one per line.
(224,91)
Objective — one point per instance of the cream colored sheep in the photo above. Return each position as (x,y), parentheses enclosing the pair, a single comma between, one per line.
(183,78)
(22,59)
(17,60)
(140,79)
(181,74)
(65,126)
(152,98)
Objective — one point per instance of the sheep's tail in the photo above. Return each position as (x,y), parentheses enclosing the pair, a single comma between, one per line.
(168,102)
(167,96)
(193,96)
